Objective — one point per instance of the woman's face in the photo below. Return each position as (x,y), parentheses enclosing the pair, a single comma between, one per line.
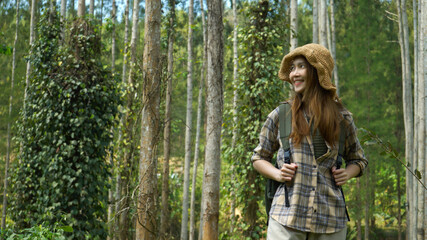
(298,74)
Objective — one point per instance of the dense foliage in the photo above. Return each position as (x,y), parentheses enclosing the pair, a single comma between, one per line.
(259,92)
(65,132)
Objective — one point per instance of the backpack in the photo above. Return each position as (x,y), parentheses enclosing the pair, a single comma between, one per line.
(285,128)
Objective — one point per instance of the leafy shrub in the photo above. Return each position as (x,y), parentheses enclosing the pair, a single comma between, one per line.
(65,130)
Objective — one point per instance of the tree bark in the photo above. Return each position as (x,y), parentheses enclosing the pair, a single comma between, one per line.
(323,37)
(205,52)
(188,125)
(199,123)
(111,198)
(8,147)
(333,45)
(367,176)
(294,24)
(32,36)
(196,156)
(146,227)
(164,220)
(407,113)
(315,21)
(81,8)
(128,157)
(92,7)
(235,99)
(421,115)
(63,16)
(212,167)
(358,216)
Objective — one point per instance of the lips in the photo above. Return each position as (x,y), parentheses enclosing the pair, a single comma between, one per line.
(298,82)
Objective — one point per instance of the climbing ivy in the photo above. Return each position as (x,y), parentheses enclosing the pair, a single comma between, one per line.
(65,131)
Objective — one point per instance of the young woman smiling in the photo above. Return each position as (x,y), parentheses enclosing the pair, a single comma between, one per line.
(316,208)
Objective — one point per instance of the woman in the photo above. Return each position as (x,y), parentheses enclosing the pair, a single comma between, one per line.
(316,205)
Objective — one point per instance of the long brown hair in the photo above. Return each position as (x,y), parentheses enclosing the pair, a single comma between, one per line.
(322,105)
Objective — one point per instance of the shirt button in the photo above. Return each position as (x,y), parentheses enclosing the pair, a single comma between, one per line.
(313,189)
(315,210)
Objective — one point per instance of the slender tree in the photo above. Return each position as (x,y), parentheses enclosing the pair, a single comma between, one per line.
(32,36)
(333,44)
(323,13)
(316,21)
(146,227)
(407,109)
(63,16)
(203,78)
(198,127)
(421,116)
(188,125)
(128,119)
(164,220)
(111,198)
(294,24)
(91,7)
(214,106)
(235,99)
(8,148)
(81,9)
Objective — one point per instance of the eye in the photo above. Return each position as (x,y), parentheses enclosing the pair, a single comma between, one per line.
(302,65)
(291,68)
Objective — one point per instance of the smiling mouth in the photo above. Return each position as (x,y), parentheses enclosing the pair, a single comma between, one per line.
(298,82)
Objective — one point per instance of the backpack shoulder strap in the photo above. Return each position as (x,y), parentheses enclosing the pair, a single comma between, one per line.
(285,124)
(341,145)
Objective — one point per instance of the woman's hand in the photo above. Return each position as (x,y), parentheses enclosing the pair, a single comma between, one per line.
(287,172)
(340,176)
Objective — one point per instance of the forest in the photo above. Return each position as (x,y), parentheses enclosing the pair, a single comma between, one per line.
(133,119)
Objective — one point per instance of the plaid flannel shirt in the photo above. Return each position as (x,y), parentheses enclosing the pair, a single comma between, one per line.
(316,204)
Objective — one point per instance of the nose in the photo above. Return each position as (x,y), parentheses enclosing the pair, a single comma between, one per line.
(294,72)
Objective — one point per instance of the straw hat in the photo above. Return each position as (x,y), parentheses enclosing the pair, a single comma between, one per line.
(318,56)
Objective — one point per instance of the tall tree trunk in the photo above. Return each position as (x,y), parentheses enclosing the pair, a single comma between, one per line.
(235,99)
(358,216)
(199,123)
(214,106)
(91,7)
(164,220)
(421,112)
(294,24)
(111,198)
(203,78)
(12,81)
(407,112)
(196,156)
(315,21)
(188,125)
(333,45)
(399,214)
(146,227)
(72,10)
(128,121)
(81,8)
(328,30)
(32,36)
(323,38)
(63,16)
(367,176)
